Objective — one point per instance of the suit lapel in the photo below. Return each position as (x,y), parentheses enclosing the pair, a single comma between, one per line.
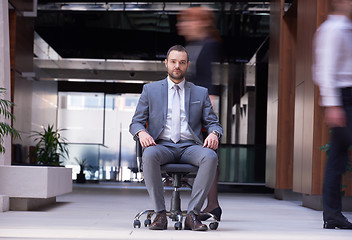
(187,98)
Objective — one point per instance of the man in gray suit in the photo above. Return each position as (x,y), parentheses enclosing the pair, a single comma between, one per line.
(175,111)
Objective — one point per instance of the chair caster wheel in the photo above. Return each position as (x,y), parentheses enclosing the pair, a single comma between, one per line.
(214,225)
(137,223)
(178,226)
(147,222)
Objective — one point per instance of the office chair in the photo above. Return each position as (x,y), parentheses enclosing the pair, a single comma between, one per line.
(175,172)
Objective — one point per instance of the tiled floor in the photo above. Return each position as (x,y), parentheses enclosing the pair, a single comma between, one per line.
(106,211)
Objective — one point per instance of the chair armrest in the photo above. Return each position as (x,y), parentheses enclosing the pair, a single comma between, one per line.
(139,152)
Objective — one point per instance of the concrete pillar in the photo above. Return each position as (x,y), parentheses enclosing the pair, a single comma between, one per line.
(5,82)
(5,78)
(4,203)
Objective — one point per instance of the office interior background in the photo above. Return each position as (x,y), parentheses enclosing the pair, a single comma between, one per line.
(81,65)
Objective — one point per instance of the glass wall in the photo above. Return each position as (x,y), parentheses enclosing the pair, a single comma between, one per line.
(96,128)
(241,164)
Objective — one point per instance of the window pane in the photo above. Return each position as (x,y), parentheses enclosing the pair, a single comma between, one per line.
(82,115)
(108,147)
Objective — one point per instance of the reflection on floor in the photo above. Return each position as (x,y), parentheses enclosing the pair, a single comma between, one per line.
(106,211)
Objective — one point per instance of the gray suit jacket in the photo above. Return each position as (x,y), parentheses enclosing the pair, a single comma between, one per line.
(152,109)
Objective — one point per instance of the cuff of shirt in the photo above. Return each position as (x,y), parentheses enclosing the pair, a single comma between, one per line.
(136,135)
(331,101)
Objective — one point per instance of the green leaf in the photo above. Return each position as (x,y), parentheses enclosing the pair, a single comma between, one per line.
(50,146)
(6,129)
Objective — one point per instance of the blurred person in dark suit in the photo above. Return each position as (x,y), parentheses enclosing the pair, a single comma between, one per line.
(197,26)
(332,71)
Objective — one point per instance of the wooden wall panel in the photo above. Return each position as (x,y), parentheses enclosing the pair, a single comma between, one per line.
(309,161)
(12,29)
(21,45)
(22,5)
(286,104)
(320,138)
(270,168)
(12,33)
(280,118)
(295,163)
(306,24)
(21,31)
(321,131)
(298,138)
(272,104)
(24,44)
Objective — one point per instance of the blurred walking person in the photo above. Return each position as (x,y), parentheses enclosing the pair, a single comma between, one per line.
(332,71)
(203,43)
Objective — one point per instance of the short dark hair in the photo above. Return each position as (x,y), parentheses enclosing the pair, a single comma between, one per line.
(177,48)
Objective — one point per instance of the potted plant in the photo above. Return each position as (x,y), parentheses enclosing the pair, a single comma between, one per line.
(50,146)
(5,112)
(83,165)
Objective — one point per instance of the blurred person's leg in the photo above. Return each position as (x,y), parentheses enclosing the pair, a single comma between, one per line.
(335,167)
(213,194)
(338,158)
(213,205)
(206,159)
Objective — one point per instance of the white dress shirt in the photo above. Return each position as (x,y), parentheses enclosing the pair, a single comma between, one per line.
(185,133)
(332,68)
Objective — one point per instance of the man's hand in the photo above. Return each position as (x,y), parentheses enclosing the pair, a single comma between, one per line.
(211,141)
(335,116)
(145,139)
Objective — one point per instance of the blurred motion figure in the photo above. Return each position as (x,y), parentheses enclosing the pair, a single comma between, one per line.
(332,71)
(197,26)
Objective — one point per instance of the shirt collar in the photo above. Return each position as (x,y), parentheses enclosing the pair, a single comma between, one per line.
(170,83)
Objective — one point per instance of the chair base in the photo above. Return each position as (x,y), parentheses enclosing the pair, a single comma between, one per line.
(175,172)
(176,216)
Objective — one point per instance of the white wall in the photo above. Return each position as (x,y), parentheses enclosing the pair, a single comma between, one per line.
(44,104)
(35,106)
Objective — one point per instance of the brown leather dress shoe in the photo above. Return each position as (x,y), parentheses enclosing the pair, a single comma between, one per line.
(160,222)
(192,222)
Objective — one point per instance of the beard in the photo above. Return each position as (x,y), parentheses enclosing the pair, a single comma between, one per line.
(177,77)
